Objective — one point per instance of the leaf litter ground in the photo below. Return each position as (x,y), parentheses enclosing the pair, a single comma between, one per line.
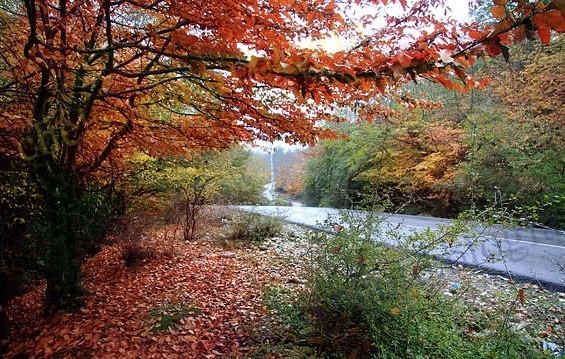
(217,293)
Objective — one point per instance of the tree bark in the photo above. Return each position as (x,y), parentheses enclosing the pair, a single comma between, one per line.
(62,234)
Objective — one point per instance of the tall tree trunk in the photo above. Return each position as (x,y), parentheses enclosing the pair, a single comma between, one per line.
(4,329)
(62,234)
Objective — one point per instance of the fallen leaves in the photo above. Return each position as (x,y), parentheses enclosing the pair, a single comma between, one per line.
(521,296)
(116,320)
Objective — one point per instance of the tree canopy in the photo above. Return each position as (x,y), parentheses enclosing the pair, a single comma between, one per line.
(87,82)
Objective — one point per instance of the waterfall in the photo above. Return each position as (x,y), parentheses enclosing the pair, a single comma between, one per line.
(269,191)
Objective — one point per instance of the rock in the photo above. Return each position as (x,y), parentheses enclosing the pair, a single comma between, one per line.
(528,339)
(553,348)
(520,326)
(226,255)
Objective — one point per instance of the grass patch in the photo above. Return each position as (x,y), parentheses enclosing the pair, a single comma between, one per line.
(170,316)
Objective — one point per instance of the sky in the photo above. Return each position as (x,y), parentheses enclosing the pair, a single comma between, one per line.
(459,11)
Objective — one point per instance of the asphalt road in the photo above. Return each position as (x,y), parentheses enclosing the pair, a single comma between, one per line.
(535,255)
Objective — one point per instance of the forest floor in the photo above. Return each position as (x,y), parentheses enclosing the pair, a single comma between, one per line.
(204,299)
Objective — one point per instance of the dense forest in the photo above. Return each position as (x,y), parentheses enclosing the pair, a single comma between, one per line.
(501,146)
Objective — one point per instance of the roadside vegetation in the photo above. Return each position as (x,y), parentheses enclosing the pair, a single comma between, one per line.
(281,291)
(501,147)
(362,298)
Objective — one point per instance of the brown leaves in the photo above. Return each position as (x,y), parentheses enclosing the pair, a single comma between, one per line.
(498,11)
(521,296)
(117,322)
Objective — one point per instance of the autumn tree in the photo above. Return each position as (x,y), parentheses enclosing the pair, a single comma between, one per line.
(181,187)
(517,145)
(289,171)
(86,83)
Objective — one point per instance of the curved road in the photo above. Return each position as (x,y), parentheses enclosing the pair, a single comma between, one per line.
(536,255)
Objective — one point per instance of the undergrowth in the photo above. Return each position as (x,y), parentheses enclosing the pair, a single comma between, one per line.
(170,316)
(366,299)
(254,227)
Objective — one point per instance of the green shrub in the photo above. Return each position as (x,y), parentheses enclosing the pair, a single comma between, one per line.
(254,227)
(282,202)
(98,209)
(366,299)
(283,303)
(170,316)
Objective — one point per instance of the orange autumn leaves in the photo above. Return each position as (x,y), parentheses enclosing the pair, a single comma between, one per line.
(516,21)
(104,79)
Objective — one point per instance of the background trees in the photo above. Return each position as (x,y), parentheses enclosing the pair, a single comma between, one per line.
(181,187)
(499,146)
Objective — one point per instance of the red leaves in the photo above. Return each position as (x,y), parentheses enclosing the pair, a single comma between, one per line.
(116,320)
(213,62)
(521,296)
(286,3)
(475,34)
(330,7)
(460,73)
(498,11)
(493,48)
(553,20)
(404,59)
(544,35)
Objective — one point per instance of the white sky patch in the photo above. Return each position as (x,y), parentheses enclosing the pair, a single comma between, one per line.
(266,147)
(456,9)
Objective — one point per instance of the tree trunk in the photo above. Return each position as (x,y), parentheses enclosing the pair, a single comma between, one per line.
(4,329)
(61,234)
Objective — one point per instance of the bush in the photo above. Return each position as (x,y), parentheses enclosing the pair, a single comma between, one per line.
(282,202)
(134,253)
(19,268)
(365,299)
(98,209)
(254,227)
(139,244)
